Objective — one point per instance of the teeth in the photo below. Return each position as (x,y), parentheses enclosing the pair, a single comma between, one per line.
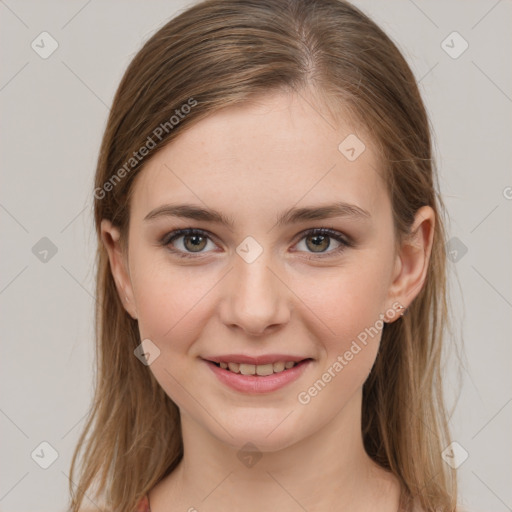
(260,369)
(247,369)
(265,369)
(234,367)
(279,367)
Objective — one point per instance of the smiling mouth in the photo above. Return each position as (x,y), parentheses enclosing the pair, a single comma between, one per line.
(261,370)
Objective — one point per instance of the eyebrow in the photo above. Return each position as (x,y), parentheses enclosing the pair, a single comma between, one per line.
(291,216)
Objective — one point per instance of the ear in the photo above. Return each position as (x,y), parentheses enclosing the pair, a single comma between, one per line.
(110,236)
(412,260)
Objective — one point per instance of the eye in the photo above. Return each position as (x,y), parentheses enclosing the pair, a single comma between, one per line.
(193,241)
(318,240)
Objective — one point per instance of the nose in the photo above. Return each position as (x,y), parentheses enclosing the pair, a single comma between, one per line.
(256,300)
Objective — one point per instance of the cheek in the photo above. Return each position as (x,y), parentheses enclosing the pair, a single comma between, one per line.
(349,333)
(348,300)
(349,307)
(171,304)
(169,299)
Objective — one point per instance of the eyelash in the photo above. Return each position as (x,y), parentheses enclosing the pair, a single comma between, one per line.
(339,237)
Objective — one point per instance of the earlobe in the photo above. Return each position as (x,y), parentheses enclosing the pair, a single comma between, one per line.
(413,260)
(111,239)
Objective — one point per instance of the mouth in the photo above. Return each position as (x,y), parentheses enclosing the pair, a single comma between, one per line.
(270,375)
(261,370)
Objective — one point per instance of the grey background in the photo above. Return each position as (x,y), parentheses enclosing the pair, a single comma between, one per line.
(53,112)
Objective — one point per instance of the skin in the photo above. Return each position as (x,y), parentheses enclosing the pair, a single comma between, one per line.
(251,162)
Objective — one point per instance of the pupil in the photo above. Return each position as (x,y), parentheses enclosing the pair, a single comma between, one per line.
(320,239)
(196,243)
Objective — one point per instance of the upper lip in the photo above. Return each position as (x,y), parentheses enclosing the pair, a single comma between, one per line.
(256,360)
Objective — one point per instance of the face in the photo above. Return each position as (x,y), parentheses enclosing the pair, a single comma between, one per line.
(264,283)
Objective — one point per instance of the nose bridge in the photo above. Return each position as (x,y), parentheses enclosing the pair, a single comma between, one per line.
(256,298)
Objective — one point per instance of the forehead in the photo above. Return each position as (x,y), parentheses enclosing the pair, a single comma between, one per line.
(268,154)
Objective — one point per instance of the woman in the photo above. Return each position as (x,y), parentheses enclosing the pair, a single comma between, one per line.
(267,209)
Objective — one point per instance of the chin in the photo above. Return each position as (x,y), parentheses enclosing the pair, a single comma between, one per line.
(269,434)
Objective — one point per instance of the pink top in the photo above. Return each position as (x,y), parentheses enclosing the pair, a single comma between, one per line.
(143,505)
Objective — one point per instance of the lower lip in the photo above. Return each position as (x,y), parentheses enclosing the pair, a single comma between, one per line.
(257,384)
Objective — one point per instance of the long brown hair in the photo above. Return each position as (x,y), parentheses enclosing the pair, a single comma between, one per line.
(219,53)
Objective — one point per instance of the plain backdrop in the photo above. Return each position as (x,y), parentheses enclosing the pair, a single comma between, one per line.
(53,112)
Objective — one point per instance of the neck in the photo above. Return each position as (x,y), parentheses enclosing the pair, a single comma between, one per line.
(327,470)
